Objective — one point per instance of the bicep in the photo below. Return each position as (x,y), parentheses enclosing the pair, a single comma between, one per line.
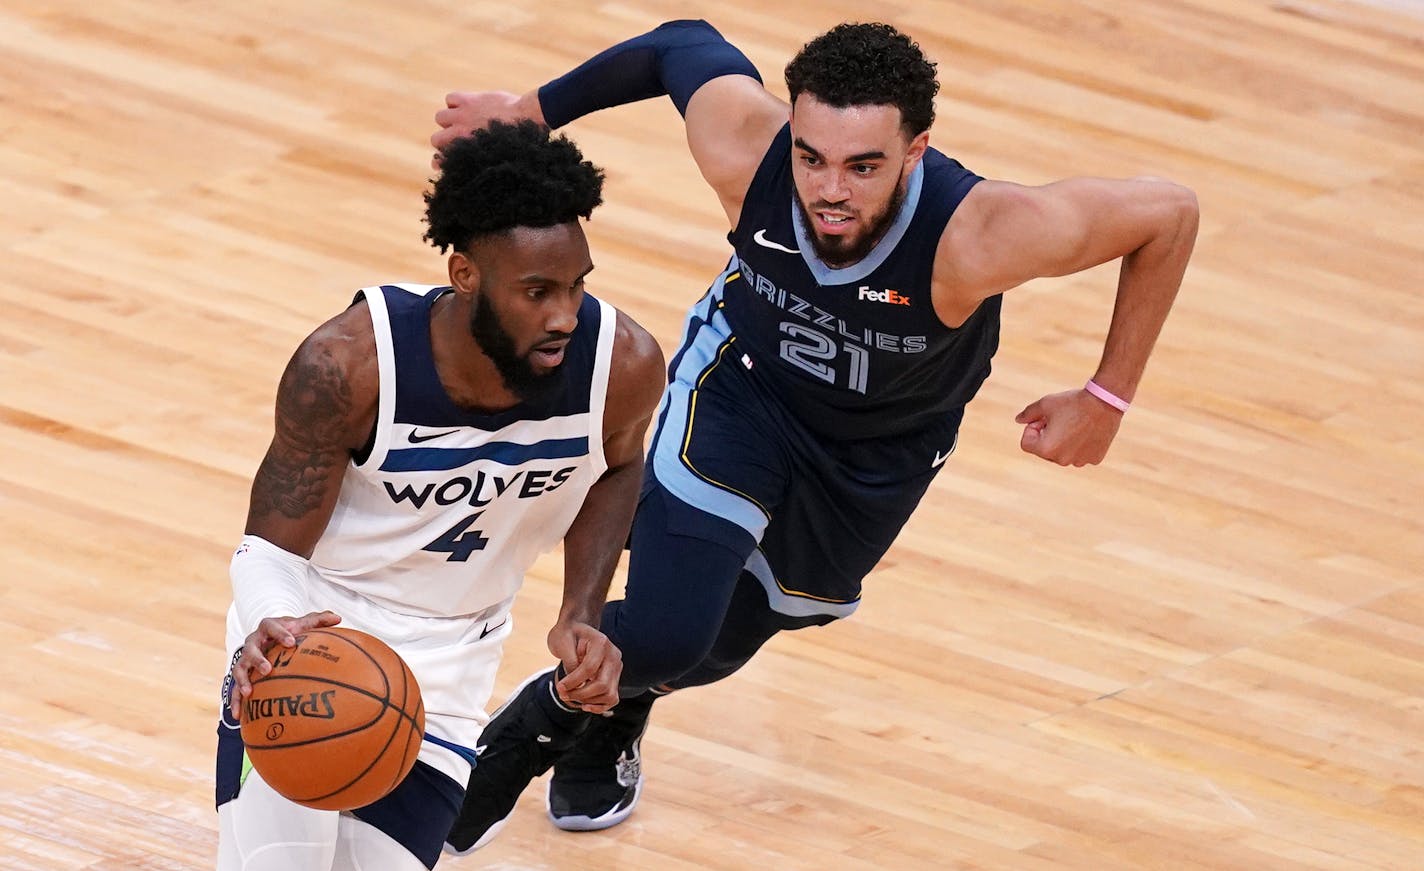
(635,387)
(318,416)
(1104,219)
(624,447)
(1061,228)
(731,122)
(293,495)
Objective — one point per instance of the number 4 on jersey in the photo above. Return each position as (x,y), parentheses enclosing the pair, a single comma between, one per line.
(459,543)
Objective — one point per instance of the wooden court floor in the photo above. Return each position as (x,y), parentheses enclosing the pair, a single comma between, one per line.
(1207,653)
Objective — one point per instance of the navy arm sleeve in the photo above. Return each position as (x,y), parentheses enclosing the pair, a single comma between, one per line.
(675,59)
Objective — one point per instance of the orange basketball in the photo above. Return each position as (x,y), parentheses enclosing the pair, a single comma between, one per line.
(338,721)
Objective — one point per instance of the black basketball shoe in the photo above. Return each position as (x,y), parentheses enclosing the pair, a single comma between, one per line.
(524,737)
(596,785)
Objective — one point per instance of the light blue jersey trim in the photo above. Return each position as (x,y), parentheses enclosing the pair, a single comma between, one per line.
(789,604)
(825,275)
(707,332)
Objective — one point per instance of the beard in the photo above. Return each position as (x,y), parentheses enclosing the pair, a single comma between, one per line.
(838,252)
(519,375)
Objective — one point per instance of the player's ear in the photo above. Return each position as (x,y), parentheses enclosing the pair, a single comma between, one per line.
(464,274)
(918,145)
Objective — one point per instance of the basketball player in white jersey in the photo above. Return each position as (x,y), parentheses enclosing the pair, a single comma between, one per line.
(430,443)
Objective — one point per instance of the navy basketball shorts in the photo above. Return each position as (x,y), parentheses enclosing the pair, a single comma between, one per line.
(821,511)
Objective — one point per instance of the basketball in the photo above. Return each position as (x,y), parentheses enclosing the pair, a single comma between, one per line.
(337,722)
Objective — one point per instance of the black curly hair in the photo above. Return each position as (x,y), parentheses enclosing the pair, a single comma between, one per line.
(867,65)
(506,176)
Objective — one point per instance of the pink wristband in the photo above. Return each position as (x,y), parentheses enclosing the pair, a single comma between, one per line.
(1111,399)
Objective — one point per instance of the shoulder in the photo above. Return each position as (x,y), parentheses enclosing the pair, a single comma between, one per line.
(972,222)
(346,342)
(976,246)
(987,202)
(333,377)
(992,222)
(637,374)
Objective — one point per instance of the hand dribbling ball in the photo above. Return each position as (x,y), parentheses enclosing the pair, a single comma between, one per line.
(337,723)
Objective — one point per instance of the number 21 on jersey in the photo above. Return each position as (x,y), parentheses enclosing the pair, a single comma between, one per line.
(814,352)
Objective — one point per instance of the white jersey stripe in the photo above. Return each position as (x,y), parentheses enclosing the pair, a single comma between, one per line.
(598,391)
(386,362)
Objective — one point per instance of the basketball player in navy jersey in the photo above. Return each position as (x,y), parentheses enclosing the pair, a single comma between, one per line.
(821,381)
(430,443)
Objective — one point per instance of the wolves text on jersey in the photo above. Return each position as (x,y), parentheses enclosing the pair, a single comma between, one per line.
(482,489)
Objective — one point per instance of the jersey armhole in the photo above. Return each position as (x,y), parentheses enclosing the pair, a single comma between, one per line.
(598,384)
(776,153)
(374,453)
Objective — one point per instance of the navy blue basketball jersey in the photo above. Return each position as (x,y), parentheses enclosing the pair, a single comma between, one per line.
(856,352)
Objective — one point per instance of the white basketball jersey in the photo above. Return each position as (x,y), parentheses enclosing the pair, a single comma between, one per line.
(450,508)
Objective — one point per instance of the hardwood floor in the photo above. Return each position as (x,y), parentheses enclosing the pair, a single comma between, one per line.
(1207,653)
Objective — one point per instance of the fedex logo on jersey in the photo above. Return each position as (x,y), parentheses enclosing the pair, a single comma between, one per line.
(833,325)
(894,297)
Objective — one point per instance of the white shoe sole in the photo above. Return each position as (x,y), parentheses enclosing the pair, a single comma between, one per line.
(593,824)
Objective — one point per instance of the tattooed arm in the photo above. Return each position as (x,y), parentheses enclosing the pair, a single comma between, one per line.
(326,408)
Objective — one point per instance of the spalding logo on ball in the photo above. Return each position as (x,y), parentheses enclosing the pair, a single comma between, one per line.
(337,723)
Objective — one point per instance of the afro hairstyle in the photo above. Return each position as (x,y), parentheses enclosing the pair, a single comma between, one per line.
(506,176)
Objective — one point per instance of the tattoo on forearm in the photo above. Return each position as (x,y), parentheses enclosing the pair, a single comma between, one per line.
(313,402)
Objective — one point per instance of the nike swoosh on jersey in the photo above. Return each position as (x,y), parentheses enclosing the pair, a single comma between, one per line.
(488,629)
(416,438)
(939,459)
(759,237)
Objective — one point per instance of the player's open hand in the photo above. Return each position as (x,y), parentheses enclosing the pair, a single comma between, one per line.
(252,656)
(468,111)
(1072,428)
(592,666)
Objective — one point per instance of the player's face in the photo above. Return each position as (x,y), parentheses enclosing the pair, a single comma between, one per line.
(849,165)
(531,285)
